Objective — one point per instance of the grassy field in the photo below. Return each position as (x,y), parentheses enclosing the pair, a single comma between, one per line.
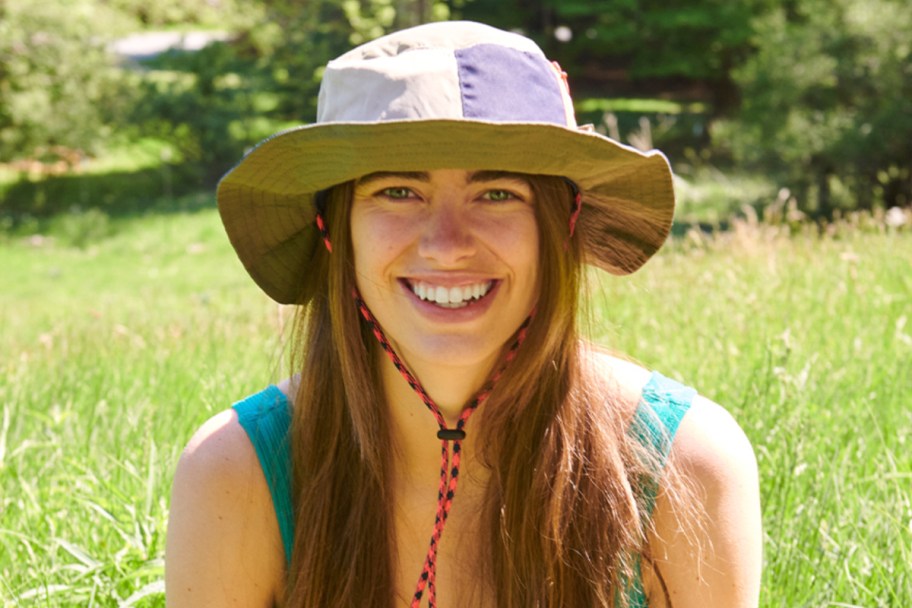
(111,354)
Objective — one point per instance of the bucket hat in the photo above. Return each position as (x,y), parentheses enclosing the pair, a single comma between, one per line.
(449,95)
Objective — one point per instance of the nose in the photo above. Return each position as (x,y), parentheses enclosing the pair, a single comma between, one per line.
(447,236)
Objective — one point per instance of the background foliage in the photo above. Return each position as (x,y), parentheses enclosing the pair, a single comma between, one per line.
(637,44)
(827,102)
(56,77)
(206,13)
(813,95)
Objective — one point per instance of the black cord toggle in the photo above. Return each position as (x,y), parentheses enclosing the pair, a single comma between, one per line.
(451,434)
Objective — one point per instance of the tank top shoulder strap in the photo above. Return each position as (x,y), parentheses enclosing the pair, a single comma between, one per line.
(266,419)
(660,411)
(662,405)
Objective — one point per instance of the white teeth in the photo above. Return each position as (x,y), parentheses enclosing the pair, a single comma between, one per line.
(442,295)
(450,297)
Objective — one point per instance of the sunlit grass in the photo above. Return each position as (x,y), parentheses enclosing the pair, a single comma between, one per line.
(807,341)
(114,352)
(639,105)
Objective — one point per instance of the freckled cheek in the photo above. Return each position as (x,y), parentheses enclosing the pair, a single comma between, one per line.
(518,245)
(515,240)
(377,244)
(362,246)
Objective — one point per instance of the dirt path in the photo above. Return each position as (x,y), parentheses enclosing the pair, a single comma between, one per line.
(149,44)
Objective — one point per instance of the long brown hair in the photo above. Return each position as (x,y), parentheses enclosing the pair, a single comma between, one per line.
(565,514)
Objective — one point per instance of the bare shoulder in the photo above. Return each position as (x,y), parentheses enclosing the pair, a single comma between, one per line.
(711,447)
(223,545)
(218,447)
(708,438)
(623,378)
(718,562)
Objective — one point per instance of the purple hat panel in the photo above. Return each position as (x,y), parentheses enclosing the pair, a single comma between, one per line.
(505,84)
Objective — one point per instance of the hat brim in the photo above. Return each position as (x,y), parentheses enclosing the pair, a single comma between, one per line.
(266,201)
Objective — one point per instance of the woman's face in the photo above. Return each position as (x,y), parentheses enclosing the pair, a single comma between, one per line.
(446,260)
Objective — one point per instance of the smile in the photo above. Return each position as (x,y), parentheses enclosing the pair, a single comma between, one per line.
(451,297)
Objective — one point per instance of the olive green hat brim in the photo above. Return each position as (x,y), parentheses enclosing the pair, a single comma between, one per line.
(266,201)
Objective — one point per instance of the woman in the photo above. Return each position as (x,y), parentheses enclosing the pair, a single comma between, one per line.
(432,227)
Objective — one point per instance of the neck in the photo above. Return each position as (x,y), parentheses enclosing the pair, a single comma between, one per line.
(450,387)
(414,427)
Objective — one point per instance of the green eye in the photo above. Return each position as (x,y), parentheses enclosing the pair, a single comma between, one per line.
(397,192)
(499,195)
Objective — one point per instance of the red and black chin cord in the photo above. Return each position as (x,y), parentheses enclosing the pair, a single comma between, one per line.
(449,466)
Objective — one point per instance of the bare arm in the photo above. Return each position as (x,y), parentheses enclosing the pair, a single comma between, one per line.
(719,564)
(223,546)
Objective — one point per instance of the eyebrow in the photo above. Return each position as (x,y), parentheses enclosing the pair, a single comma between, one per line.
(420,176)
(423,176)
(490,176)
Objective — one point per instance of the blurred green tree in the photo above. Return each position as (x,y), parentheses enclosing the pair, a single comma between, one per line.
(56,78)
(828,103)
(618,42)
(203,103)
(294,41)
(163,13)
(214,103)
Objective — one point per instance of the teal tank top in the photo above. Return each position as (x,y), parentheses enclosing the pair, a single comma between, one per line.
(266,419)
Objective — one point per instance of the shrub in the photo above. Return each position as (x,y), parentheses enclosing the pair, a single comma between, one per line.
(827,103)
(215,13)
(201,103)
(214,103)
(56,78)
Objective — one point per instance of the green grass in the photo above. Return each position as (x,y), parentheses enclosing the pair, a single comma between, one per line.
(710,197)
(113,353)
(807,342)
(639,105)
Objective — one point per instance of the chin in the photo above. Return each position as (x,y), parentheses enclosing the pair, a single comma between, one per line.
(452,351)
